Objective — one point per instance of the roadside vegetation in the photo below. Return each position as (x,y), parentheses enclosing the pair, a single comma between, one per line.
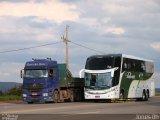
(12,94)
(157,94)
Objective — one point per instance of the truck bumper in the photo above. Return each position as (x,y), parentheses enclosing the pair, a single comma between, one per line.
(38,99)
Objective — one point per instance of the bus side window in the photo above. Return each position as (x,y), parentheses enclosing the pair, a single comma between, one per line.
(143,67)
(124,68)
(133,65)
(129,67)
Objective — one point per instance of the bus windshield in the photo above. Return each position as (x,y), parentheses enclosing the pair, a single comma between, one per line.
(98,80)
(35,73)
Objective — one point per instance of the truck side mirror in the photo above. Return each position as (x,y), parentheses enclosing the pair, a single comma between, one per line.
(21,73)
(51,73)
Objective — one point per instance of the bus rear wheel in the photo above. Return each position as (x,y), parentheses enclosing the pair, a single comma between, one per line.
(148,94)
(144,96)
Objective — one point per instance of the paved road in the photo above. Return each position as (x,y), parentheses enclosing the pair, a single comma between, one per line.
(130,110)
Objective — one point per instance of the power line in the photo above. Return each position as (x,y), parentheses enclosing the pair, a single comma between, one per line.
(87,47)
(155,60)
(38,46)
(26,48)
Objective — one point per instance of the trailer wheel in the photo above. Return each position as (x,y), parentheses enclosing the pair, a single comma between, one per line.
(56,96)
(71,98)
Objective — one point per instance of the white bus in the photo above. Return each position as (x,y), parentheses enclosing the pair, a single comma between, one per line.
(118,76)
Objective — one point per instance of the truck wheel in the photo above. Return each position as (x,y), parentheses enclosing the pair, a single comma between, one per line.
(56,96)
(71,96)
(143,96)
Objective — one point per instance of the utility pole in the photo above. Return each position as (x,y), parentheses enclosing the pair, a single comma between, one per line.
(66,40)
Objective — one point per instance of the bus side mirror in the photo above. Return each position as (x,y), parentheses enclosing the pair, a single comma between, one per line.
(51,73)
(80,72)
(21,73)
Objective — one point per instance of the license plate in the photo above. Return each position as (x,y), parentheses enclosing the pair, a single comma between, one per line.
(34,94)
(97,96)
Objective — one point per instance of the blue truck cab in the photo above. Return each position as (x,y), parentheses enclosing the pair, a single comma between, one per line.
(44,80)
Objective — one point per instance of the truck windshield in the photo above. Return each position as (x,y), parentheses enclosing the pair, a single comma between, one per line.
(98,80)
(35,73)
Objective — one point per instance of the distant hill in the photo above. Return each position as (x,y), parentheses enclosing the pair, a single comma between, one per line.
(157,90)
(4,86)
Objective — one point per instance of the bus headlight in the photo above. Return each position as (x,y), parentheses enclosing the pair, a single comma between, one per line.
(24,95)
(45,94)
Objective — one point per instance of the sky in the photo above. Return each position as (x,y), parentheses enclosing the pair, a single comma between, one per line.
(109,26)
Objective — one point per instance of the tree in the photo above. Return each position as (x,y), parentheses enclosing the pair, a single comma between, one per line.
(15,91)
(1,93)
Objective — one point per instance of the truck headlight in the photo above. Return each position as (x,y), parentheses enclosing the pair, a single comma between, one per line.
(45,94)
(24,95)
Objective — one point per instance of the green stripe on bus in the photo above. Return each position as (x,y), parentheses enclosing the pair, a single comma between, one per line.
(128,77)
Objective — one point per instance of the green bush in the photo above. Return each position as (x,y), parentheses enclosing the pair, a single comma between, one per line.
(14,91)
(157,94)
(12,94)
(10,97)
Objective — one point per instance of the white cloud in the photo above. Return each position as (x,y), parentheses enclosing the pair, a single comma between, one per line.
(89,21)
(13,29)
(115,30)
(156,46)
(36,34)
(114,7)
(53,10)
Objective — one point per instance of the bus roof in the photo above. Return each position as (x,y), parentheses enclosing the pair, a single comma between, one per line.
(134,57)
(122,55)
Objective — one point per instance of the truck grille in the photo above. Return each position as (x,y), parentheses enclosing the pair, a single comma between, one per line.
(34,86)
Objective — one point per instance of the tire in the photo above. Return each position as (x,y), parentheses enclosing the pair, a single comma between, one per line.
(144,96)
(71,98)
(121,96)
(147,96)
(56,97)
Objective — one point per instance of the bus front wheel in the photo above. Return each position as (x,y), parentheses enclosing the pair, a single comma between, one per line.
(121,96)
